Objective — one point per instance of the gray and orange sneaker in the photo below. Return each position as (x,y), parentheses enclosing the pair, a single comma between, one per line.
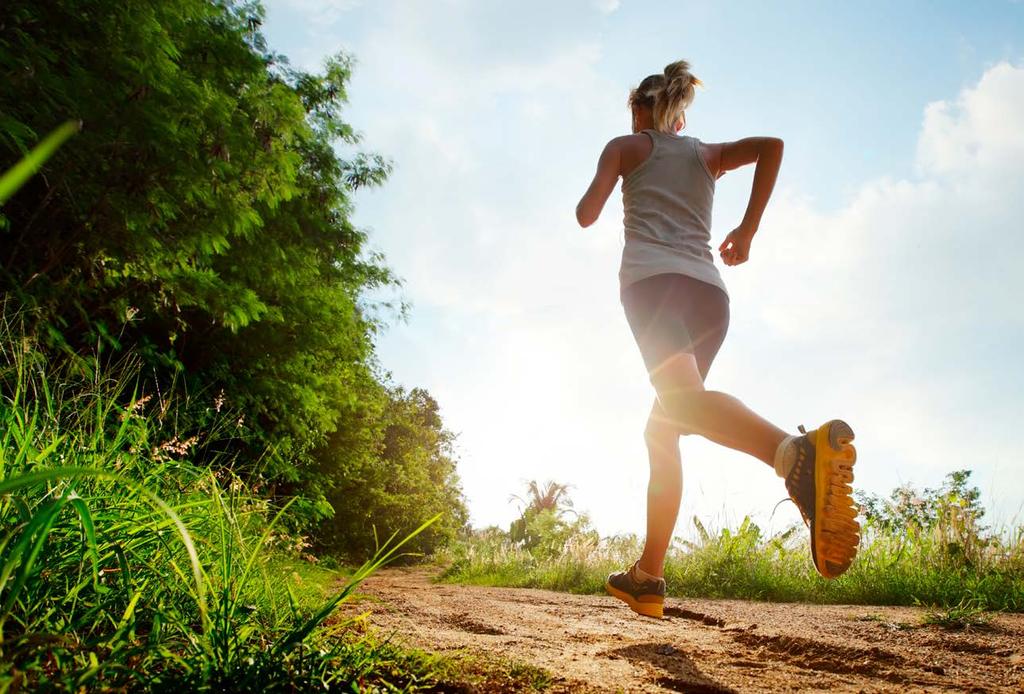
(820,484)
(643,597)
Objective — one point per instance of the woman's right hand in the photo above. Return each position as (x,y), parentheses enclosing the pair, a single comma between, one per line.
(735,249)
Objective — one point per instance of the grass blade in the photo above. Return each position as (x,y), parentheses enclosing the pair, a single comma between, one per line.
(90,535)
(35,477)
(16,176)
(300,633)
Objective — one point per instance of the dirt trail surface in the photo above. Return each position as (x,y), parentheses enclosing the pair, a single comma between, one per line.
(595,643)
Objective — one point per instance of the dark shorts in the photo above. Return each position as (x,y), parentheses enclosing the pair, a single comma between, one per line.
(674,313)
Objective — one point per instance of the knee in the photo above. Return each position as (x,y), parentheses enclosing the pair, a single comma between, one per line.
(657,434)
(682,404)
(662,439)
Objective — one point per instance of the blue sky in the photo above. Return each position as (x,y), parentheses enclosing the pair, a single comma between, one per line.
(883,286)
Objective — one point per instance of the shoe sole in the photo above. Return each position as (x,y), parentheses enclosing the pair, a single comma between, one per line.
(647,609)
(835,534)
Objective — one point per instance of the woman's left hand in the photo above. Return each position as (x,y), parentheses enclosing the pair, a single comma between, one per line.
(736,247)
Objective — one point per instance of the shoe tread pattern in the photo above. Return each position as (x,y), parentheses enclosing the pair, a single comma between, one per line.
(835,535)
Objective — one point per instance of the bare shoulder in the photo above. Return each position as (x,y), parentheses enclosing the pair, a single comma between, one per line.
(632,151)
(626,142)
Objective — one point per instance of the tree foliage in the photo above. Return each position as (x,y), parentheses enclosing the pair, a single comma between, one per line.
(554,497)
(907,510)
(202,218)
(949,514)
(405,476)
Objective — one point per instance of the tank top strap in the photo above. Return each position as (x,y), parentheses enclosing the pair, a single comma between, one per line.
(655,138)
(680,143)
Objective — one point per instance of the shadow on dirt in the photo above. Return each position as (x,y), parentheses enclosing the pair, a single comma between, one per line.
(683,613)
(680,673)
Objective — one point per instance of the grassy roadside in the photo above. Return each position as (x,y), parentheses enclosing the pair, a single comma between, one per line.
(947,563)
(126,565)
(408,668)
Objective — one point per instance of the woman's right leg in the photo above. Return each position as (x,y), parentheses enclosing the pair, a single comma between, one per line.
(716,416)
(679,324)
(818,468)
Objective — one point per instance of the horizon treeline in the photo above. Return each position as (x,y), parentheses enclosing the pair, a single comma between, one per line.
(201,219)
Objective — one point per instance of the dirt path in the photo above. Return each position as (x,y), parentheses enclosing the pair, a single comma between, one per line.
(594,643)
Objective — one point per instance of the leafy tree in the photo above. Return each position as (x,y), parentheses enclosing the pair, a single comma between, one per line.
(949,514)
(405,476)
(554,497)
(541,526)
(906,510)
(202,218)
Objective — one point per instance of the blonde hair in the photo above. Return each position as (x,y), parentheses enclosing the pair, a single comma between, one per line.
(667,94)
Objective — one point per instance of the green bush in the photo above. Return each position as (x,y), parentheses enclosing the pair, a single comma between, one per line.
(125,566)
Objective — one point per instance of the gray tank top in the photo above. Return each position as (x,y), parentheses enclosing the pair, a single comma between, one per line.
(667,203)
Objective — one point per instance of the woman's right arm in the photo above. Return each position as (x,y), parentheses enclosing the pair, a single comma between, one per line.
(766,152)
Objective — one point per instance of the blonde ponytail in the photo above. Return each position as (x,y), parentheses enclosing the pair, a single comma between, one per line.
(667,94)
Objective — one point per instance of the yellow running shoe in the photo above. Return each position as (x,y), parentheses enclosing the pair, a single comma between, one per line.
(643,597)
(820,484)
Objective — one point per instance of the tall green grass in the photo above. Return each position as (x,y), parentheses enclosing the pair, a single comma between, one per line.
(125,565)
(946,564)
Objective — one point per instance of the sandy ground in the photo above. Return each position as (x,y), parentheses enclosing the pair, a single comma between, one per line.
(595,643)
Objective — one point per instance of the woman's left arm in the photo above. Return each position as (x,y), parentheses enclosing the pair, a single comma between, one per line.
(592,202)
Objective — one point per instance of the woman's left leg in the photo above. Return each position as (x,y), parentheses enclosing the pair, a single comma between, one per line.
(707,323)
(664,489)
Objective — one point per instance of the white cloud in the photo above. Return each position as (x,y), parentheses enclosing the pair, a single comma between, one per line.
(978,133)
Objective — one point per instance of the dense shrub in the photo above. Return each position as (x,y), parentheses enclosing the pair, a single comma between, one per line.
(126,567)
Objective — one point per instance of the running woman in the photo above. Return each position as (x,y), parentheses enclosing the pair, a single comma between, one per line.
(677,307)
